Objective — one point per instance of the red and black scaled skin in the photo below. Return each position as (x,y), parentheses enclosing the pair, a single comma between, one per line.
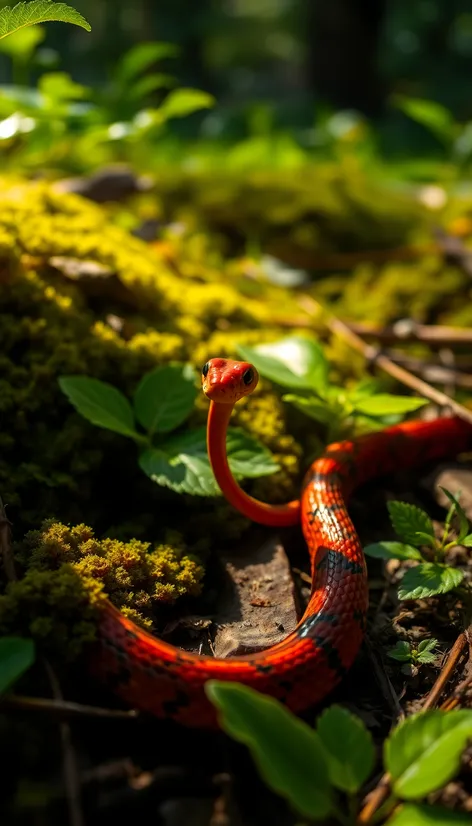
(165,681)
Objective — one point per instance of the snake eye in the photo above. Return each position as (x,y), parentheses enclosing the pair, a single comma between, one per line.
(205,369)
(248,376)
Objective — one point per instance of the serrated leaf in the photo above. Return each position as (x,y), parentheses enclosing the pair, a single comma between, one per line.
(100,403)
(422,815)
(408,520)
(401,652)
(427,645)
(38,11)
(182,464)
(459,510)
(429,579)
(165,397)
(312,407)
(426,657)
(349,746)
(392,550)
(424,751)
(384,404)
(295,362)
(16,656)
(288,753)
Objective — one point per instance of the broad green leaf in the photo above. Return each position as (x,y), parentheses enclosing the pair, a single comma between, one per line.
(424,751)
(288,753)
(467,541)
(459,510)
(295,362)
(141,57)
(428,579)
(401,652)
(428,113)
(427,645)
(384,404)
(392,550)
(364,389)
(426,657)
(148,84)
(422,815)
(349,746)
(182,102)
(165,397)
(59,87)
(100,403)
(311,406)
(408,520)
(181,463)
(16,655)
(425,539)
(38,11)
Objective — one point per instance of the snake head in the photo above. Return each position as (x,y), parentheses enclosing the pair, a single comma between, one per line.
(226,381)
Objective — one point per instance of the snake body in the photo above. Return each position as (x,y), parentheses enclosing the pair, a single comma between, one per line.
(165,681)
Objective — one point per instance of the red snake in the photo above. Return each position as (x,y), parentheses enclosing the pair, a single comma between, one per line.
(165,681)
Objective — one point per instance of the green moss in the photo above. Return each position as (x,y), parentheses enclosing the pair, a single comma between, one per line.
(68,572)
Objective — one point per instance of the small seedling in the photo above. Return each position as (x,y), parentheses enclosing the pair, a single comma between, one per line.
(418,542)
(300,365)
(410,655)
(162,402)
(321,770)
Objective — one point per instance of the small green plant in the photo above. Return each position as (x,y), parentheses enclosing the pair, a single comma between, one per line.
(432,575)
(162,402)
(321,771)
(301,365)
(410,655)
(38,11)
(16,656)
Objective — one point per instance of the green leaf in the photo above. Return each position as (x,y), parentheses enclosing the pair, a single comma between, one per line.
(408,520)
(100,403)
(295,362)
(428,579)
(349,746)
(21,44)
(182,102)
(392,550)
(38,11)
(424,751)
(165,397)
(400,652)
(182,463)
(422,815)
(428,113)
(386,405)
(288,753)
(318,410)
(467,541)
(457,507)
(141,57)
(16,656)
(427,645)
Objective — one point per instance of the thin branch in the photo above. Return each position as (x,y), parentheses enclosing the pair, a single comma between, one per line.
(5,545)
(63,708)
(409,330)
(372,354)
(446,671)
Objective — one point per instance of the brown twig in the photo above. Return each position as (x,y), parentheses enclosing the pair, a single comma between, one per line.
(376,798)
(372,354)
(63,708)
(447,670)
(409,330)
(431,371)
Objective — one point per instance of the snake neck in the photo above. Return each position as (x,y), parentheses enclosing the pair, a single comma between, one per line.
(217,428)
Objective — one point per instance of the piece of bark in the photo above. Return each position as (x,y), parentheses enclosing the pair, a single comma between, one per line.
(257,608)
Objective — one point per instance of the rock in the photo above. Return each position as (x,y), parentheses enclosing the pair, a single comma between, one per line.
(114,183)
(454,476)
